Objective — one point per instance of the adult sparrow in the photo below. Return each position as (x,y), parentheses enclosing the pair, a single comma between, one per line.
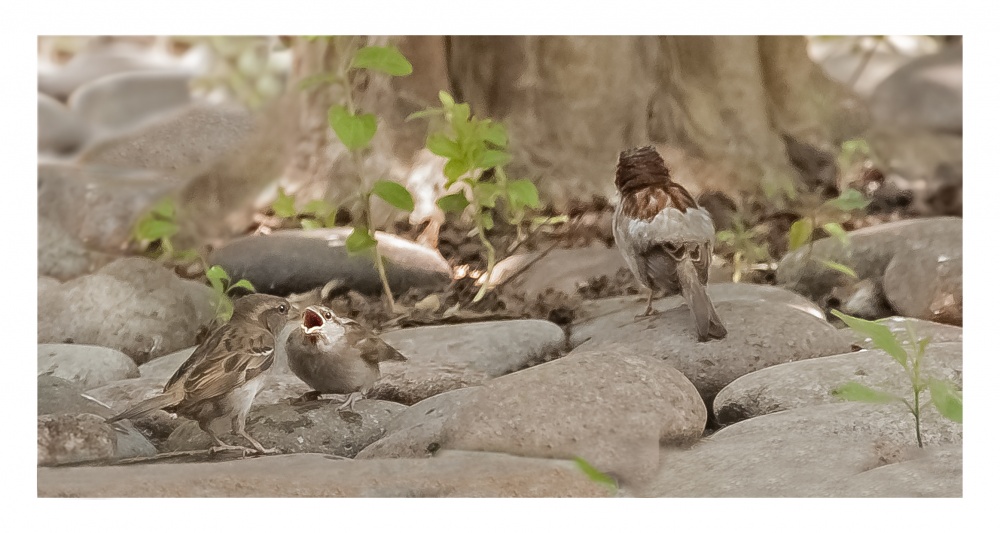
(224,374)
(665,237)
(335,355)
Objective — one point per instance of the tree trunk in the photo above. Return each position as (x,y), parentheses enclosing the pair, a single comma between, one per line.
(728,113)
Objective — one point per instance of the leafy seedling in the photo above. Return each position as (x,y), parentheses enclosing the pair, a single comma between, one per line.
(596,475)
(155,229)
(829,217)
(909,355)
(223,290)
(476,151)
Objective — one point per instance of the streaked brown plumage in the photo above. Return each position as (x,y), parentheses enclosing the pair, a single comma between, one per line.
(224,374)
(664,236)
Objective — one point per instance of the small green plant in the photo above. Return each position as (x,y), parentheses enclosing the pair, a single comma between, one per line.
(356,130)
(829,216)
(746,245)
(155,229)
(909,354)
(476,153)
(596,475)
(220,282)
(315,214)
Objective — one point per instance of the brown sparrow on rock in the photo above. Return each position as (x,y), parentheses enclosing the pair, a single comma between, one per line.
(335,355)
(224,374)
(665,237)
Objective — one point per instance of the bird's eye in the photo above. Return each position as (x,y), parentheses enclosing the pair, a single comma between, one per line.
(327,315)
(283,308)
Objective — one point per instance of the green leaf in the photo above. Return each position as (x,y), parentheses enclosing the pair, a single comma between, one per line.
(523,193)
(360,240)
(440,144)
(486,193)
(217,277)
(429,112)
(460,114)
(319,208)
(164,208)
(244,284)
(486,220)
(550,221)
(224,308)
(284,205)
(446,100)
(800,233)
(493,158)
(596,475)
(856,392)
(453,203)
(494,133)
(834,229)
(151,229)
(187,255)
(849,200)
(946,399)
(839,267)
(880,335)
(355,131)
(386,59)
(394,194)
(311,223)
(725,236)
(455,169)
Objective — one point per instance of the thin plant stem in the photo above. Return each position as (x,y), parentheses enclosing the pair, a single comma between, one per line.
(490,262)
(916,414)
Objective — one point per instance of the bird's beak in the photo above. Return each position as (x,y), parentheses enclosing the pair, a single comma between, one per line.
(312,322)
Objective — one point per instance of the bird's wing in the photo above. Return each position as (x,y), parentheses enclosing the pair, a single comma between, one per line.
(371,348)
(659,261)
(207,347)
(242,353)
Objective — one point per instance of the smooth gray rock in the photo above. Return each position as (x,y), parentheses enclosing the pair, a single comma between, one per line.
(123,100)
(456,474)
(71,427)
(60,131)
(57,396)
(301,260)
(99,205)
(761,334)
(612,408)
(924,94)
(817,451)
(96,60)
(313,427)
(935,473)
(60,254)
(870,252)
(421,428)
(561,269)
(163,367)
(90,366)
(120,395)
(192,136)
(133,305)
(804,383)
(938,333)
(596,316)
(924,284)
(443,358)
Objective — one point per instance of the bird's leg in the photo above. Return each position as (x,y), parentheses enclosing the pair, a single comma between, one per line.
(649,307)
(346,410)
(310,396)
(239,428)
(219,445)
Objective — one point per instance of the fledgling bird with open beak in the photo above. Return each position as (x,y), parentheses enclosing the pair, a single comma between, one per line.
(224,374)
(336,355)
(665,237)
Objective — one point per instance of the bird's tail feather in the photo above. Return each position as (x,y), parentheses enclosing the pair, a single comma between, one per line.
(706,320)
(146,406)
